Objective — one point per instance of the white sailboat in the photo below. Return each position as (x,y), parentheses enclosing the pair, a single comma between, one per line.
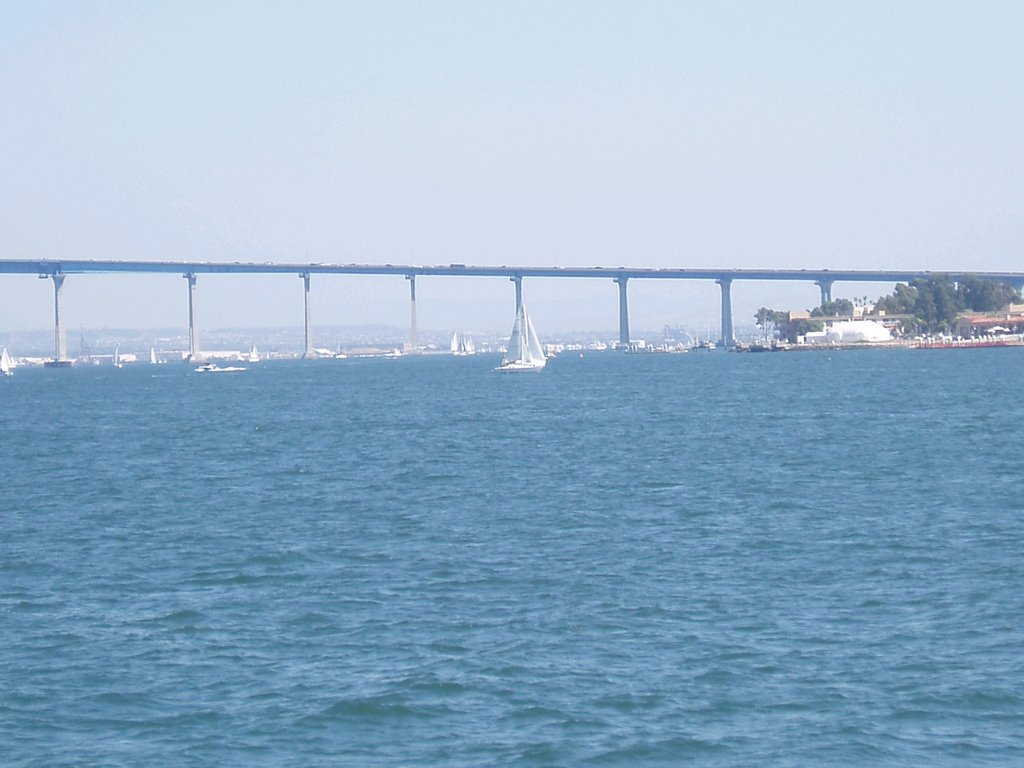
(117,356)
(525,352)
(6,364)
(254,354)
(462,344)
(152,356)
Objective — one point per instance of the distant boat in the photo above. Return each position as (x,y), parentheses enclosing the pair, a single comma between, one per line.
(254,354)
(6,364)
(211,368)
(117,356)
(524,352)
(462,344)
(152,356)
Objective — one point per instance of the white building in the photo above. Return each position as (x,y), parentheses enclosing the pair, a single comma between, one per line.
(850,332)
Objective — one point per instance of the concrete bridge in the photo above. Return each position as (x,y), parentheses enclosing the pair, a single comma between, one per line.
(58,270)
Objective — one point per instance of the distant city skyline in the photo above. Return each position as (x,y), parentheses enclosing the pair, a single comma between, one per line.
(726,134)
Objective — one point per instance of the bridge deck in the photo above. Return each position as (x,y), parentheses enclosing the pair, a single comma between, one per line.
(64,266)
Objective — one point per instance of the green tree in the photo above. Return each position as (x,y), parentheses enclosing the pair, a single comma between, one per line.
(837,308)
(791,329)
(766,320)
(935,302)
(802,328)
(985,295)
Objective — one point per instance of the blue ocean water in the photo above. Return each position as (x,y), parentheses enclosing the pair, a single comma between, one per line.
(712,559)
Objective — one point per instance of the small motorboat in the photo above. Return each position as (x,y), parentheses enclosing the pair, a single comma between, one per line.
(212,368)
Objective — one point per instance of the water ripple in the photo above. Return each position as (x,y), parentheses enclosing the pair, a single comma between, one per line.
(631,561)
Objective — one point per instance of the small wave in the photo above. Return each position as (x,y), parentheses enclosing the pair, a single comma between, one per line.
(376,709)
(183,616)
(440,688)
(674,749)
(538,712)
(628,702)
(183,620)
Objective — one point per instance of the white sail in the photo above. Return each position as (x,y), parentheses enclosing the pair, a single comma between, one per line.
(152,356)
(524,351)
(533,343)
(516,351)
(6,365)
(254,354)
(117,355)
(462,344)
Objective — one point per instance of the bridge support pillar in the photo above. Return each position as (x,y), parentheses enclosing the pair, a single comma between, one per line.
(826,290)
(623,312)
(60,338)
(518,280)
(307,325)
(414,344)
(193,333)
(728,337)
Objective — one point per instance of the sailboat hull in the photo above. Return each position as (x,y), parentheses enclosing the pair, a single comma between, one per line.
(515,367)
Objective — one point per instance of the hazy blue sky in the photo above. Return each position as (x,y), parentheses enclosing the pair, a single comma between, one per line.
(734,134)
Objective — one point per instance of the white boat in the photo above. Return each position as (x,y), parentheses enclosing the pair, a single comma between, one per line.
(254,354)
(211,368)
(462,344)
(152,356)
(6,364)
(117,356)
(524,352)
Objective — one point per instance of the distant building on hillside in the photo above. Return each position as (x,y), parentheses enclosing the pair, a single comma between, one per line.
(1009,320)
